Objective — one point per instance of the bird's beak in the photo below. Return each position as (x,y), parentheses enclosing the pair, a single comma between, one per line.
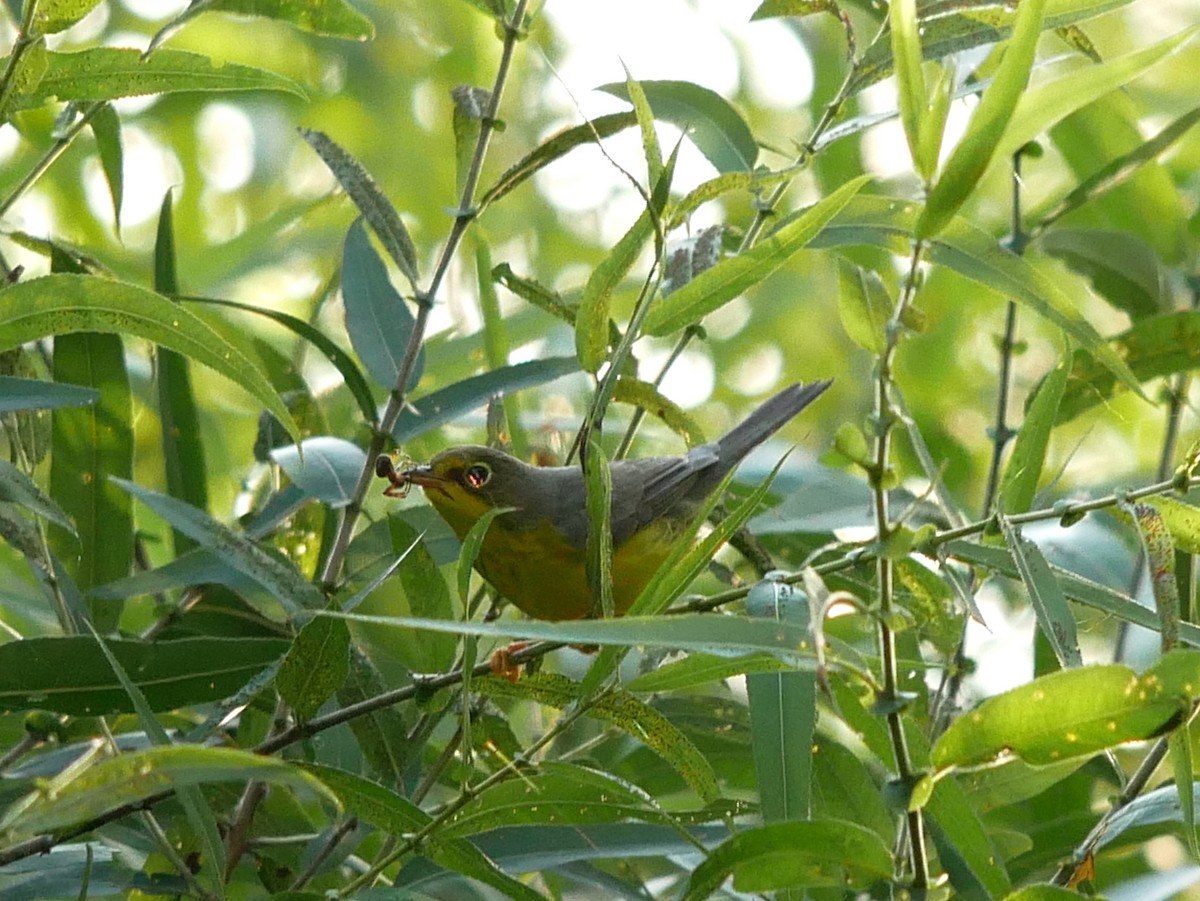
(423,476)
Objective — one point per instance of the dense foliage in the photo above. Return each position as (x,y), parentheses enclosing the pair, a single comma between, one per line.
(944,647)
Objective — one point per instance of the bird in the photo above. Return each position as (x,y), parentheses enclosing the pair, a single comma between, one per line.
(535,555)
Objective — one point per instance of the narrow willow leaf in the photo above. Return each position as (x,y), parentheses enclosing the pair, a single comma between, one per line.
(199,813)
(1045,596)
(592,316)
(864,306)
(472,544)
(69,674)
(316,665)
(649,398)
(20,489)
(89,445)
(338,358)
(1181,766)
(1154,347)
(53,16)
(324,467)
(713,125)
(910,79)
(442,406)
(381,735)
(946,33)
(974,151)
(1077,588)
(1122,268)
(396,815)
(1018,486)
(1160,558)
(556,147)
(378,320)
(426,594)
(332,18)
(133,777)
(106,73)
(1049,102)
(63,304)
(729,278)
(1121,169)
(598,481)
(703,669)
(1073,712)
(283,582)
(182,438)
(106,126)
(715,634)
(783,715)
(645,117)
(371,202)
(833,853)
(623,710)
(35,394)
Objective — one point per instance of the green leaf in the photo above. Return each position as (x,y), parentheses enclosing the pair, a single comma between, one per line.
(132,777)
(331,18)
(863,306)
(834,853)
(53,16)
(599,487)
(1181,765)
(381,735)
(770,9)
(36,394)
(439,407)
(90,444)
(106,126)
(715,634)
(783,715)
(641,107)
(592,317)
(713,125)
(1018,486)
(910,79)
(315,667)
(620,709)
(703,669)
(199,813)
(338,358)
(1049,102)
(69,674)
(1154,347)
(1045,596)
(989,122)
(324,467)
(427,595)
(371,202)
(717,286)
(1183,521)
(1160,560)
(555,147)
(19,489)
(649,398)
(106,73)
(1122,267)
(378,320)
(182,437)
(888,223)
(1073,712)
(62,304)
(396,815)
(279,578)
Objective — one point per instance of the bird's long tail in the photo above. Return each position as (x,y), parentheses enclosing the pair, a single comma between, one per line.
(767,420)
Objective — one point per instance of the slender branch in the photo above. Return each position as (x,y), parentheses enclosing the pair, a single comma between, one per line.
(886,419)
(464,215)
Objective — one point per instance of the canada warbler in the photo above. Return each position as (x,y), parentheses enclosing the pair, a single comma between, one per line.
(536,554)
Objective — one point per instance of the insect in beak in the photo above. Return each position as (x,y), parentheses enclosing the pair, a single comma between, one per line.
(385,468)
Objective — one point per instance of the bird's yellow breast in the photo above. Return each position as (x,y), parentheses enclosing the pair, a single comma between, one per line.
(543,574)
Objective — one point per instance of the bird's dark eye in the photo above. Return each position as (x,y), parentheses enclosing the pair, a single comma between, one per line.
(477,476)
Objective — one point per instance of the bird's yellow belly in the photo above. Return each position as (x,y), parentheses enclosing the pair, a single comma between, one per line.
(547,578)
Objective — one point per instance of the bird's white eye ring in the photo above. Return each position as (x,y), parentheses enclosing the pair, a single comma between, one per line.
(477,476)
